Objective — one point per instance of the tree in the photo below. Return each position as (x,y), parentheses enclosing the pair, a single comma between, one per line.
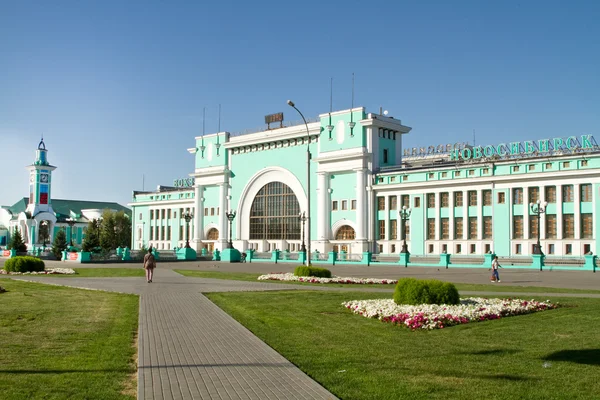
(17,243)
(92,236)
(122,229)
(59,244)
(107,231)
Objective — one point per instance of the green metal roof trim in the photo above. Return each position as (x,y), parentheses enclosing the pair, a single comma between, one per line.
(64,208)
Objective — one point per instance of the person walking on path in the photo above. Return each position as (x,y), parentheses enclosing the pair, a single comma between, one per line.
(149,265)
(495,266)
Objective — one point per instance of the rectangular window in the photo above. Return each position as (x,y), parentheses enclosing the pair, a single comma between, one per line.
(458,249)
(205,212)
(584,163)
(381,203)
(385,156)
(550,249)
(445,231)
(404,177)
(473,248)
(566,164)
(217,210)
(344,204)
(472,227)
(212,211)
(381,229)
(531,167)
(407,228)
(567,191)
(518,249)
(444,174)
(353,204)
(587,248)
(169,213)
(431,228)
(334,205)
(487,197)
(393,202)
(444,199)
(518,196)
(151,214)
(487,227)
(533,227)
(517,227)
(488,248)
(168,233)
(181,232)
(551,194)
(156,233)
(162,233)
(458,228)
(430,200)
(457,173)
(393,249)
(393,229)
(485,171)
(534,194)
(471,172)
(472,198)
(501,198)
(550,226)
(405,200)
(586,193)
(515,168)
(568,226)
(569,249)
(586,226)
(417,202)
(430,176)
(458,199)
(392,179)
(162,214)
(151,233)
(430,249)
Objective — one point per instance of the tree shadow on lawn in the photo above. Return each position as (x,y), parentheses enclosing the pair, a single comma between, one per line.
(490,352)
(584,356)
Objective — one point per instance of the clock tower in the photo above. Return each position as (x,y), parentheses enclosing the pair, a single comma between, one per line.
(40,182)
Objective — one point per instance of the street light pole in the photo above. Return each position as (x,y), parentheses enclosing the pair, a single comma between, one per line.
(71,222)
(538,208)
(230,216)
(302,218)
(188,217)
(308,217)
(404,216)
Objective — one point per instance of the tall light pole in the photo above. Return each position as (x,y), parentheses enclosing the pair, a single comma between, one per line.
(538,208)
(71,222)
(404,216)
(188,217)
(302,219)
(230,217)
(308,263)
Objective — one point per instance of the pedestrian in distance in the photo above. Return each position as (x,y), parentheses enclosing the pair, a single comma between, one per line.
(149,265)
(495,266)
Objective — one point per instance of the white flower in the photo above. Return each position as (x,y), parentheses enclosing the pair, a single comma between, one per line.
(334,279)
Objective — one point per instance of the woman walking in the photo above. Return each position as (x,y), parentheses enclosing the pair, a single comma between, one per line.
(149,265)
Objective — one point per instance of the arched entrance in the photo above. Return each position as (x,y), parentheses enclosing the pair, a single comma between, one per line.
(274,213)
(213,235)
(347,234)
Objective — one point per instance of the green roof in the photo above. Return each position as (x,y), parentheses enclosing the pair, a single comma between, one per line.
(64,208)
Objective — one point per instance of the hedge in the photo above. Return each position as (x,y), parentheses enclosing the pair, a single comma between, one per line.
(24,264)
(312,271)
(420,291)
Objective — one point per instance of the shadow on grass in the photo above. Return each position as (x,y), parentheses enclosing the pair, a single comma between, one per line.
(584,356)
(492,352)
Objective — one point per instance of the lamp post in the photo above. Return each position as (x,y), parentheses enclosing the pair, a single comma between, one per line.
(188,217)
(71,222)
(230,217)
(44,232)
(404,216)
(302,218)
(291,104)
(538,208)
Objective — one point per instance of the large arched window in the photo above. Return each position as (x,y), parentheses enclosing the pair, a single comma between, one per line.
(346,232)
(274,213)
(213,234)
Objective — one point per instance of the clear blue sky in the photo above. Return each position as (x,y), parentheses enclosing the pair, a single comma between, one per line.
(117,87)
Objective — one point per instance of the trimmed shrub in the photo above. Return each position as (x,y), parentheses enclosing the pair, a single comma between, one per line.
(24,264)
(419,291)
(312,271)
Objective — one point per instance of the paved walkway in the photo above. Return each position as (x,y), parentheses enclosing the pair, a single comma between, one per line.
(190,349)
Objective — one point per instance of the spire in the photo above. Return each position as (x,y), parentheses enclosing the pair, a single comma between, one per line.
(41,153)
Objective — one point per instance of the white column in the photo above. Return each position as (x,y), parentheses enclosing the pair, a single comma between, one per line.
(479,214)
(223,224)
(577,212)
(397,211)
(198,214)
(437,218)
(465,215)
(526,215)
(451,221)
(361,205)
(323,208)
(559,216)
(386,218)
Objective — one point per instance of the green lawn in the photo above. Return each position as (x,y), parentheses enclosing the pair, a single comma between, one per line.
(492,287)
(63,343)
(548,355)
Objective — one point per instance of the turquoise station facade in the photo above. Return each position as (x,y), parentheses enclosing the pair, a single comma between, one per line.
(462,199)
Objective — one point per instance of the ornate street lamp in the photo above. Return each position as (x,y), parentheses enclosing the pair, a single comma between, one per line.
(302,219)
(291,104)
(230,216)
(404,216)
(44,232)
(538,208)
(71,222)
(188,217)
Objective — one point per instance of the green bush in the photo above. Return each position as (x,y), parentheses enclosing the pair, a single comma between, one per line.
(24,264)
(419,291)
(312,271)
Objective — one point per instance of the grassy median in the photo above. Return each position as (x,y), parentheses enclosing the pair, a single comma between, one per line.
(64,343)
(547,355)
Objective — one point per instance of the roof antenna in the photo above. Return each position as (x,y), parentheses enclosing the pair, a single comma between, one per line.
(329,126)
(219,118)
(351,124)
(473,137)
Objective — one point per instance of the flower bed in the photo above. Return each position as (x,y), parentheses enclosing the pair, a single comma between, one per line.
(433,316)
(289,277)
(49,271)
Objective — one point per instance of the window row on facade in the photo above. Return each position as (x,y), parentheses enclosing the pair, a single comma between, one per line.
(342,205)
(165,213)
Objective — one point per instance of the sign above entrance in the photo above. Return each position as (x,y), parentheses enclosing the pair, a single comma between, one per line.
(528,148)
